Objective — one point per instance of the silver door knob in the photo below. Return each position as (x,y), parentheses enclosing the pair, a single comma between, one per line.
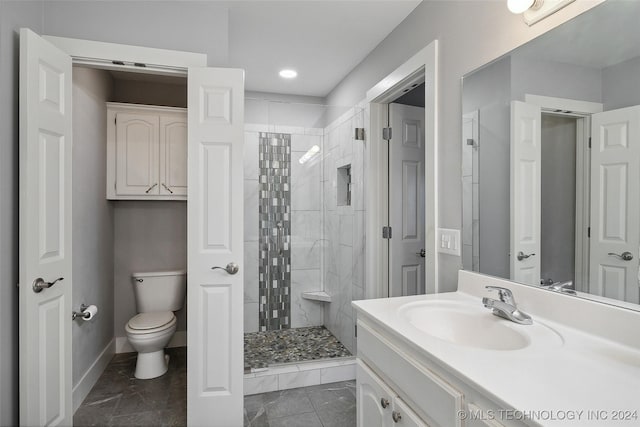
(39,284)
(625,256)
(422,253)
(231,268)
(384,402)
(396,416)
(521,255)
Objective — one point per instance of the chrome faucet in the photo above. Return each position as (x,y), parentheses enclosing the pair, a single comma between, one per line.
(506,306)
(563,287)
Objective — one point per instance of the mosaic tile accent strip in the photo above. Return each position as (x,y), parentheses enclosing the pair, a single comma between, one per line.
(275,231)
(263,349)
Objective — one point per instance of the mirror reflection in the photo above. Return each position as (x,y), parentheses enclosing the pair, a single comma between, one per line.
(551,158)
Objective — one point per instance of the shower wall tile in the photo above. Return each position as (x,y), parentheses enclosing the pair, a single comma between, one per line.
(305,312)
(251,188)
(251,317)
(359,226)
(346,229)
(250,157)
(251,283)
(305,183)
(302,143)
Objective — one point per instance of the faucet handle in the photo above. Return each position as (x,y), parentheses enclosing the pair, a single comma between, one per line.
(504,294)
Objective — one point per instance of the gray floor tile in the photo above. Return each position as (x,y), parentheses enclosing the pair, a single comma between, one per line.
(287,402)
(139,419)
(300,420)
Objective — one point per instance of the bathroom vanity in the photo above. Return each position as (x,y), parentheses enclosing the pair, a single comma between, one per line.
(446,360)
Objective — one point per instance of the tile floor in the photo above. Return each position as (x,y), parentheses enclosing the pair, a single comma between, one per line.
(119,399)
(262,349)
(325,405)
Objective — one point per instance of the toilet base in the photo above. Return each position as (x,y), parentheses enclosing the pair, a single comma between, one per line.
(151,365)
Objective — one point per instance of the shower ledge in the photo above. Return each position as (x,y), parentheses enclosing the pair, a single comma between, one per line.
(317,296)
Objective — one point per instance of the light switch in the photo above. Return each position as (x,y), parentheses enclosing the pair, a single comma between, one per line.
(448,241)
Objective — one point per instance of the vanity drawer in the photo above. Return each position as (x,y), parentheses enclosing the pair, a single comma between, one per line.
(433,398)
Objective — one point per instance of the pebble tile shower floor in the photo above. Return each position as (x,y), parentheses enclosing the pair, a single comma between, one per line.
(262,349)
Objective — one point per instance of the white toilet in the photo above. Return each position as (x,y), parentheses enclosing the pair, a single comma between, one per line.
(158,295)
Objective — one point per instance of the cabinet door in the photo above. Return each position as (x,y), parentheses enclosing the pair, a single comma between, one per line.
(137,154)
(374,399)
(402,415)
(173,155)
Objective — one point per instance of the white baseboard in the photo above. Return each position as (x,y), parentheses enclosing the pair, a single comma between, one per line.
(179,339)
(90,377)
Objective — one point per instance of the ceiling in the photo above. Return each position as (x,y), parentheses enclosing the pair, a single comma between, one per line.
(322,40)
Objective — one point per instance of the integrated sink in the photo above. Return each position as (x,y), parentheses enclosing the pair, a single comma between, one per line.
(472,326)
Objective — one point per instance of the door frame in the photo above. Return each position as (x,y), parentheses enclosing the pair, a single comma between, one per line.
(102,55)
(581,111)
(422,66)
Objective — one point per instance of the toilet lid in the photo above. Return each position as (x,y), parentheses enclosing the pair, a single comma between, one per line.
(151,320)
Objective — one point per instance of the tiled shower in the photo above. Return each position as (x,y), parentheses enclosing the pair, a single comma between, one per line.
(299,238)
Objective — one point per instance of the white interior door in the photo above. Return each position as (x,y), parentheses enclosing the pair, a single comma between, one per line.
(526,154)
(406,200)
(615,206)
(215,238)
(45,233)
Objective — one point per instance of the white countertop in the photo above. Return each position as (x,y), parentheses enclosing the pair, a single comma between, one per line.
(573,377)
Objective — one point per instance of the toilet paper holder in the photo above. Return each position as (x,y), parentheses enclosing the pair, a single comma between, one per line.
(82,314)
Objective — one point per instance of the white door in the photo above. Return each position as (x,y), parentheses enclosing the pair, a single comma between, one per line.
(406,200)
(45,233)
(215,238)
(173,155)
(137,154)
(526,155)
(615,209)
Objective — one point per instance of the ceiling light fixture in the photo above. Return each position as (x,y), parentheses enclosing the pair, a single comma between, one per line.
(288,74)
(536,10)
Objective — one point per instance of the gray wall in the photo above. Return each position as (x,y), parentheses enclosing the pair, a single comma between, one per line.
(549,78)
(92,218)
(150,93)
(621,85)
(558,198)
(470,34)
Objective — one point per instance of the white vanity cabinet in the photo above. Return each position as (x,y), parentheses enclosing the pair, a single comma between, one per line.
(396,386)
(146,152)
(378,405)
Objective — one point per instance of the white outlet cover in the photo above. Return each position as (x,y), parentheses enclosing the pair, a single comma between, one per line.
(448,241)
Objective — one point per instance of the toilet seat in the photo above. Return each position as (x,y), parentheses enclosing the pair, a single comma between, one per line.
(152,322)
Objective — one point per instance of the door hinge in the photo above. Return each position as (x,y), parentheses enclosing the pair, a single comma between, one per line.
(386,134)
(589,142)
(589,232)
(355,332)
(359,134)
(386,232)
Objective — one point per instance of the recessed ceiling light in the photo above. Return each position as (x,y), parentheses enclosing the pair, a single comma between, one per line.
(288,74)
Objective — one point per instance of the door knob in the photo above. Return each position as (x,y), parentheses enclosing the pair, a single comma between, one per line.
(396,416)
(39,284)
(231,268)
(625,256)
(422,253)
(521,255)
(384,402)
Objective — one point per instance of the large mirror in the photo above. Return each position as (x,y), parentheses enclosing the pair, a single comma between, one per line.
(551,159)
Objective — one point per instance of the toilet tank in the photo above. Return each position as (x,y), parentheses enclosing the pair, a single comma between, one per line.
(159,290)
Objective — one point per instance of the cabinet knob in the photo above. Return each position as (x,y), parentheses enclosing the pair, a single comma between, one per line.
(396,416)
(384,402)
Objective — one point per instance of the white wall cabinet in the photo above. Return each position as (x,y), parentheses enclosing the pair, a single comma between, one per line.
(146,152)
